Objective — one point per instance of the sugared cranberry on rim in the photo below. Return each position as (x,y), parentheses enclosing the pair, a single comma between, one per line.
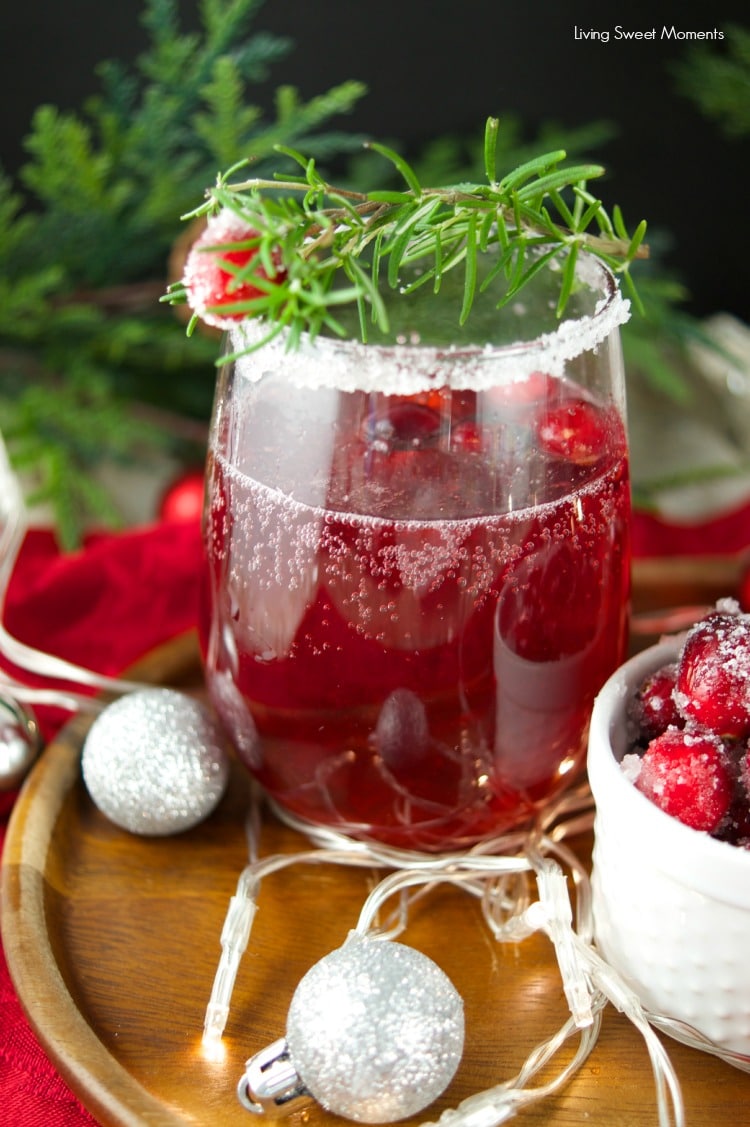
(215,277)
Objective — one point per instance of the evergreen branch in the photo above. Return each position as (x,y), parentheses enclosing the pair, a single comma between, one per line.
(79,315)
(226,118)
(646,491)
(717,81)
(319,229)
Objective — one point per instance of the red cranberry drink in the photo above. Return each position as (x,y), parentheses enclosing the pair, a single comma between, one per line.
(419,572)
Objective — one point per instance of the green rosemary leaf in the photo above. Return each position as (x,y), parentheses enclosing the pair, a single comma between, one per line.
(299,158)
(500,266)
(362,317)
(347,205)
(619,224)
(468,193)
(470,271)
(396,251)
(604,222)
(297,327)
(421,214)
(517,215)
(637,240)
(402,165)
(578,206)
(523,274)
(290,177)
(515,270)
(477,202)
(568,278)
(502,230)
(486,229)
(631,290)
(274,329)
(490,148)
(367,285)
(377,247)
(530,168)
(387,196)
(562,208)
(249,307)
(561,178)
(584,219)
(341,296)
(235,168)
(175,294)
(549,228)
(454,256)
(438,261)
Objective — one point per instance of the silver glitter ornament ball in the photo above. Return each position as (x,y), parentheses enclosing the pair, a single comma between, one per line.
(375,1030)
(155,762)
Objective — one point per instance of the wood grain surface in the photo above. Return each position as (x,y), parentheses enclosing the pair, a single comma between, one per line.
(113,941)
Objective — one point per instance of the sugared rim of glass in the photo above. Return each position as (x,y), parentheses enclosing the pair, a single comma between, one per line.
(521,338)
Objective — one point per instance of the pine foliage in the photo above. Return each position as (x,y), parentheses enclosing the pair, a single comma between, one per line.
(86,234)
(718,81)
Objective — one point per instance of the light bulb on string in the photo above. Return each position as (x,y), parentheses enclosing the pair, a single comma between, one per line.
(360,1071)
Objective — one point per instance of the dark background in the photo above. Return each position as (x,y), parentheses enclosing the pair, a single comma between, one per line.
(434,68)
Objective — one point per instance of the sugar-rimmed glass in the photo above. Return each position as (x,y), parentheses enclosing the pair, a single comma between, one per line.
(418,560)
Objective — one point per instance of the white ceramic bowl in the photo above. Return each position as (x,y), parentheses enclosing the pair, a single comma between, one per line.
(671,904)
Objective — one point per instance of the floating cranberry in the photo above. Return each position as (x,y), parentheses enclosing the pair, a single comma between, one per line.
(402,734)
(575,431)
(713,675)
(404,424)
(467,437)
(688,776)
(538,387)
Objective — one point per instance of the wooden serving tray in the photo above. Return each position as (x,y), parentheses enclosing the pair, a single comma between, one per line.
(113,941)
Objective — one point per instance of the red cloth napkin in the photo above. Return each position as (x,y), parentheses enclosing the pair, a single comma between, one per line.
(102,607)
(726,533)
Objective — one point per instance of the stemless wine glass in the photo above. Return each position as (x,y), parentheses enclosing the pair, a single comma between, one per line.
(418,560)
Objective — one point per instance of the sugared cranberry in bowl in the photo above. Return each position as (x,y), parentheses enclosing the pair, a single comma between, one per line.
(712,688)
(671,864)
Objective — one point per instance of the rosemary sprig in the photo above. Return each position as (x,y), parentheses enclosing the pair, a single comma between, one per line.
(540,211)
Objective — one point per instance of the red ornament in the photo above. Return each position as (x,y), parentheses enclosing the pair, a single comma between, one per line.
(183,499)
